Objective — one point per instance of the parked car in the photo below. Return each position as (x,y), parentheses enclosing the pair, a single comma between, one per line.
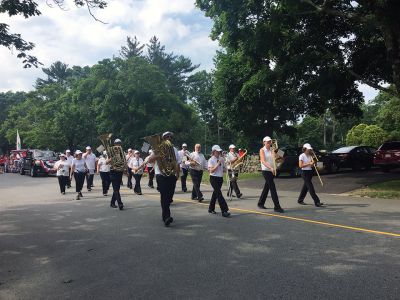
(289,162)
(38,162)
(388,156)
(355,157)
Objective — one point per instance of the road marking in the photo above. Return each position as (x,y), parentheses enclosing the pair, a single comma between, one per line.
(291,218)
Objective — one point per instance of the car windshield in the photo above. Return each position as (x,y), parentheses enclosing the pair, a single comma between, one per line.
(45,154)
(390,146)
(344,149)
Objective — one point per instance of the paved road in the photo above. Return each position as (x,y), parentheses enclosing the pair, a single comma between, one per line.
(53,247)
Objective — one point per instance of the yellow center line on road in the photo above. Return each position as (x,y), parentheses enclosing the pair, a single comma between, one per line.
(290,218)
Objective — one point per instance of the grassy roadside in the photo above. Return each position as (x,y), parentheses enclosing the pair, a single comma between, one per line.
(242,176)
(388,190)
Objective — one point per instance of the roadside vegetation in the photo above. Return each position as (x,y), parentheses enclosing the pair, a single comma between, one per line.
(387,190)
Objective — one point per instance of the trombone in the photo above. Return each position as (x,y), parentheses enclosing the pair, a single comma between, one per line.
(274,146)
(315,159)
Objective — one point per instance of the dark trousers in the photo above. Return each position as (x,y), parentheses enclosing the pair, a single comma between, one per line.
(151,176)
(196,179)
(166,186)
(105,181)
(269,185)
(308,186)
(69,178)
(216,183)
(62,181)
(137,188)
(129,184)
(116,179)
(89,181)
(233,186)
(79,181)
(183,179)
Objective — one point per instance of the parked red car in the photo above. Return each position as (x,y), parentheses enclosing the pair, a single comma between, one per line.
(388,156)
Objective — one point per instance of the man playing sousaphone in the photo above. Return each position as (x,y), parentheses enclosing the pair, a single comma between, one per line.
(166,166)
(117,161)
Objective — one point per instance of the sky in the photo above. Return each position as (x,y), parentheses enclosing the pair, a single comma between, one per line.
(75,38)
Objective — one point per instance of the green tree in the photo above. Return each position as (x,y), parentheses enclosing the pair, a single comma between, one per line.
(388,117)
(133,48)
(354,136)
(373,136)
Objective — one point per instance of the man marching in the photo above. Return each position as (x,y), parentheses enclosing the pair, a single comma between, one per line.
(231,157)
(184,167)
(197,165)
(91,161)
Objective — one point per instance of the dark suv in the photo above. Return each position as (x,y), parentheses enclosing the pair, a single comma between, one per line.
(355,157)
(388,156)
(38,162)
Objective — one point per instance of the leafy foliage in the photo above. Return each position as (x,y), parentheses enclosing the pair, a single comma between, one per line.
(354,136)
(374,136)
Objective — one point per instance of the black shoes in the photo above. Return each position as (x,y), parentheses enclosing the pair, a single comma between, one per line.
(168,221)
(113,206)
(63,193)
(240,195)
(319,204)
(200,199)
(261,206)
(301,203)
(80,194)
(184,190)
(151,186)
(212,212)
(77,197)
(89,190)
(279,210)
(226,214)
(121,207)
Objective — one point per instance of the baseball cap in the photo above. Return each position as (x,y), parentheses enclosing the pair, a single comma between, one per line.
(150,151)
(307,146)
(130,149)
(68,151)
(104,152)
(136,152)
(88,148)
(62,154)
(232,146)
(167,133)
(216,148)
(267,139)
(78,152)
(184,145)
(116,141)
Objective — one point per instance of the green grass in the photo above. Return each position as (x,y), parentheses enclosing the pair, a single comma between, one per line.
(387,190)
(242,176)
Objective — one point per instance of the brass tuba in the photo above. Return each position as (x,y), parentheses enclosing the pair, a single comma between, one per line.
(165,154)
(115,153)
(237,163)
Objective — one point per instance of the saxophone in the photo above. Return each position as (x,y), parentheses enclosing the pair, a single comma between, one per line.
(164,151)
(115,153)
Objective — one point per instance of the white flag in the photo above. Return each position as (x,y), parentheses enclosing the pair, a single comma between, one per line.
(18,141)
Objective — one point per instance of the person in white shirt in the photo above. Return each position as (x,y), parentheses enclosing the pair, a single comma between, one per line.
(197,164)
(91,161)
(78,169)
(216,167)
(62,167)
(183,153)
(231,157)
(69,158)
(128,160)
(150,170)
(103,168)
(306,162)
(267,167)
(166,183)
(136,164)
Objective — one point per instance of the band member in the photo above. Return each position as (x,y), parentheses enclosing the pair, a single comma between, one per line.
(104,170)
(197,165)
(136,165)
(79,170)
(116,174)
(267,167)
(128,161)
(231,157)
(216,167)
(62,166)
(150,170)
(69,158)
(166,183)
(90,160)
(184,167)
(306,163)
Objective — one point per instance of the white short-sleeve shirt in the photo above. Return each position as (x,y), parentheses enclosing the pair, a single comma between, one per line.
(306,160)
(64,170)
(90,160)
(219,171)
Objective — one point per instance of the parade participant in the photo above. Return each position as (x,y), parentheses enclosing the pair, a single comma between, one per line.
(183,153)
(306,163)
(69,158)
(267,167)
(103,168)
(166,183)
(90,160)
(118,165)
(62,167)
(197,165)
(128,160)
(150,170)
(79,170)
(216,167)
(136,165)
(231,157)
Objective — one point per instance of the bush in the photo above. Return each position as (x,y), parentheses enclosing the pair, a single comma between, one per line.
(374,136)
(354,136)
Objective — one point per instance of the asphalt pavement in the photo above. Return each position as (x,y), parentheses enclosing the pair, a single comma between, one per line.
(54,247)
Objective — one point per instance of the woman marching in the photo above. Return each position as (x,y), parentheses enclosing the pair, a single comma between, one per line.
(104,170)
(78,169)
(306,163)
(62,166)
(267,167)
(216,168)
(136,165)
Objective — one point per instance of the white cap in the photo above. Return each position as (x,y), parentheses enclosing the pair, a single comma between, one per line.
(62,155)
(307,146)
(167,133)
(68,151)
(78,152)
(151,151)
(267,139)
(117,141)
(130,149)
(136,152)
(184,145)
(232,146)
(88,148)
(104,152)
(216,148)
